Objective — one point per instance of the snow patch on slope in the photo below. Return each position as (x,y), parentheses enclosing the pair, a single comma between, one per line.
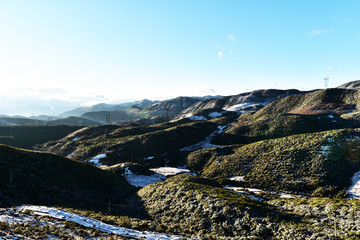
(190,116)
(244,107)
(11,218)
(197,118)
(95,224)
(169,171)
(215,114)
(256,191)
(96,160)
(325,149)
(206,143)
(354,189)
(237,178)
(142,180)
(160,174)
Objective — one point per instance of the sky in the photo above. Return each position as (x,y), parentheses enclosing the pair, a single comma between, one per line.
(59,54)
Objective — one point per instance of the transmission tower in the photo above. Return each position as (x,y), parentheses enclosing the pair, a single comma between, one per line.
(326,81)
(108,120)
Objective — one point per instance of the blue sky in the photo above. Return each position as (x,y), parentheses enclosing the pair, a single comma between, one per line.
(66,53)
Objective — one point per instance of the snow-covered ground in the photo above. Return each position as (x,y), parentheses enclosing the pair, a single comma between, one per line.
(96,160)
(17,216)
(237,178)
(160,174)
(5,216)
(354,189)
(325,149)
(256,191)
(242,192)
(215,114)
(190,116)
(241,107)
(142,180)
(193,117)
(13,236)
(206,143)
(197,118)
(169,171)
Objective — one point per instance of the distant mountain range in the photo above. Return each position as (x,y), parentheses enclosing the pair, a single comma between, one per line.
(259,165)
(71,121)
(107,107)
(148,112)
(151,112)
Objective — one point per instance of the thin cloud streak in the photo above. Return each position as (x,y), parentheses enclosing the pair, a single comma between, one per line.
(317,32)
(231,37)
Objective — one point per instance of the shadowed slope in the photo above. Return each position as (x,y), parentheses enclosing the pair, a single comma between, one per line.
(29,177)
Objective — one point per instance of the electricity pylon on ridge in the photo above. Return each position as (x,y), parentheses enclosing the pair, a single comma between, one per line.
(108,119)
(326,81)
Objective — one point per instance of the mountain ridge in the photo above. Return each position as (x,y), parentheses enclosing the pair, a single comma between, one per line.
(267,164)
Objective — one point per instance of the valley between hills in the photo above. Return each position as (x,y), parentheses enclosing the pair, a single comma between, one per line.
(267,164)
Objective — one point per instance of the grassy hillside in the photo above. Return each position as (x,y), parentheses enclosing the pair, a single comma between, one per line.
(29,177)
(169,108)
(131,144)
(28,136)
(194,206)
(281,125)
(72,121)
(23,121)
(330,100)
(318,163)
(115,116)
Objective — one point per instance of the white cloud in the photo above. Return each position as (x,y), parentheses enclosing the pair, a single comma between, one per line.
(231,37)
(328,68)
(207,91)
(317,32)
(230,51)
(43,93)
(91,102)
(220,54)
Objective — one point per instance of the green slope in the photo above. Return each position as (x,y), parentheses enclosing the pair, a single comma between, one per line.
(281,125)
(321,101)
(131,144)
(195,206)
(29,177)
(29,136)
(320,163)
